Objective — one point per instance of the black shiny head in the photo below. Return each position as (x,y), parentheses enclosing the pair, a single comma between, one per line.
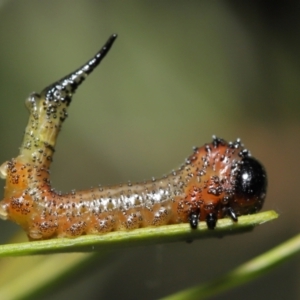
(251,184)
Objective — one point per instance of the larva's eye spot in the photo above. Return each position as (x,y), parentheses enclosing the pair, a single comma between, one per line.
(251,180)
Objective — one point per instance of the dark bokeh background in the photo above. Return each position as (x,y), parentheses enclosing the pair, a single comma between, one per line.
(179,72)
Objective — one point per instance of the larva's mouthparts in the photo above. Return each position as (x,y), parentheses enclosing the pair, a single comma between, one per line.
(219,179)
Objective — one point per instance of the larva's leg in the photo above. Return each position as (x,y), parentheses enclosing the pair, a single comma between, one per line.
(211,220)
(194,218)
(231,213)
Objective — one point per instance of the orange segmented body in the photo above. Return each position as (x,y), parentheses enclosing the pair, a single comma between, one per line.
(219,179)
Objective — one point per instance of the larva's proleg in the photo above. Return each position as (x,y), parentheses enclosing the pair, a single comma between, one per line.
(219,179)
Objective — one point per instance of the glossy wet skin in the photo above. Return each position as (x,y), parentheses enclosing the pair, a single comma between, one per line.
(219,179)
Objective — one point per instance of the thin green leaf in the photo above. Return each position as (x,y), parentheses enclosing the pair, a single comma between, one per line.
(31,280)
(47,270)
(244,273)
(149,235)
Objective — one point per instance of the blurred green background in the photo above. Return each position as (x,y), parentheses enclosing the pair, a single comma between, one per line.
(179,72)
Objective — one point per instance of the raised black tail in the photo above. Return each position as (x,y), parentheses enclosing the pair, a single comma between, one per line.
(63,89)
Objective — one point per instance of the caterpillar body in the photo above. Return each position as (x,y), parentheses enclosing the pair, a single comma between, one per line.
(219,179)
